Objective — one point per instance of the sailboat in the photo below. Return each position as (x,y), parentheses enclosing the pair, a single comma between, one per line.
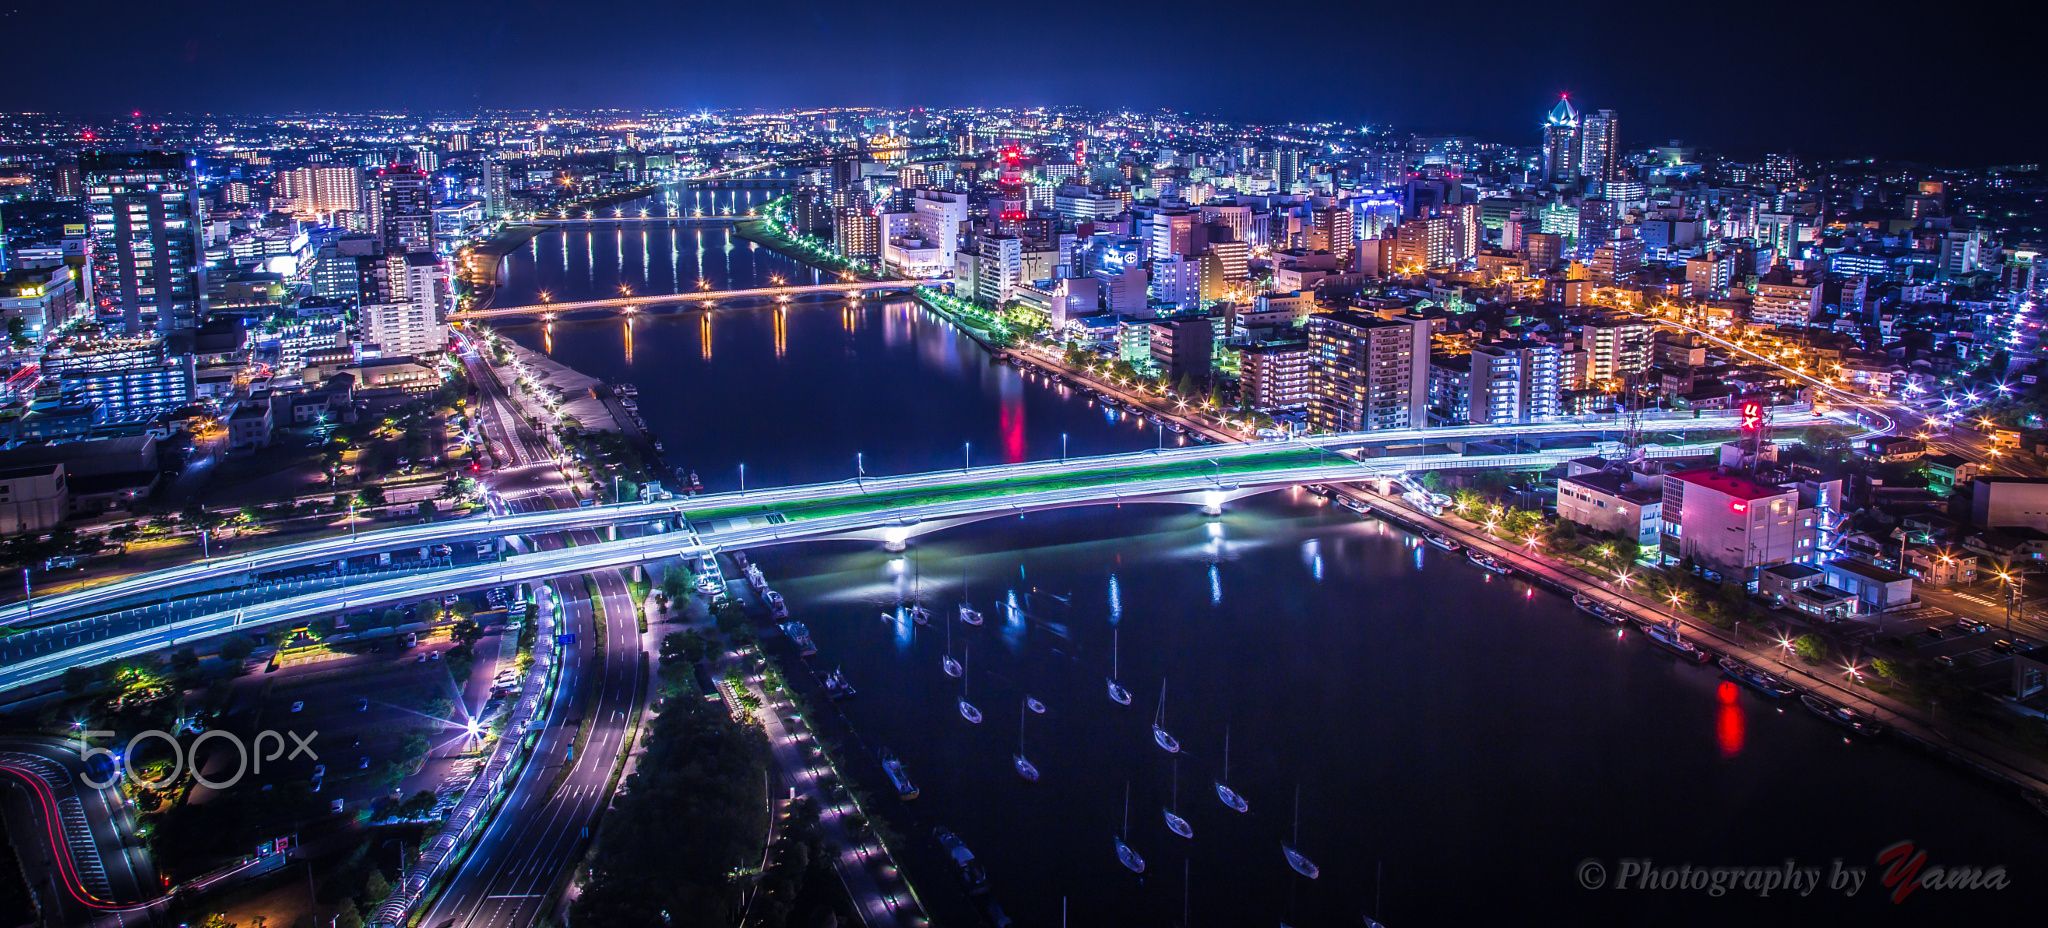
(1223,791)
(948,664)
(1117,693)
(968,614)
(967,710)
(1174,823)
(1025,768)
(918,613)
(1297,859)
(1124,854)
(1160,736)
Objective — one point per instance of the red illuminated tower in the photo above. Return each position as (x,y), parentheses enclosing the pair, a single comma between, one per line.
(1009,206)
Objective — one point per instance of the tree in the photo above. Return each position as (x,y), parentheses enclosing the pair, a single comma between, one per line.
(349,916)
(1886,668)
(1810,648)
(428,511)
(370,496)
(236,648)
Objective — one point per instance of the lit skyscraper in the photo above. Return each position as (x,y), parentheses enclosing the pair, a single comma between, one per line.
(1599,153)
(401,208)
(1561,142)
(143,207)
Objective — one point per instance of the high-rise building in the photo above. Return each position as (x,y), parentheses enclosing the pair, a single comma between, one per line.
(148,268)
(856,230)
(1331,229)
(1515,381)
(401,206)
(1599,147)
(322,189)
(409,318)
(999,270)
(1182,349)
(1367,373)
(1420,244)
(496,188)
(1274,375)
(1615,348)
(1561,150)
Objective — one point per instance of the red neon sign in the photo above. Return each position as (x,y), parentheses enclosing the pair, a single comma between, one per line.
(1752,415)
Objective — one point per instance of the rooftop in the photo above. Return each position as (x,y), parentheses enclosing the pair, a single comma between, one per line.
(1729,483)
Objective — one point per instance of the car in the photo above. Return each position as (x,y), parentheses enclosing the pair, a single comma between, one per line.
(319,770)
(316,784)
(2002,646)
(1932,632)
(1973,625)
(298,706)
(433,655)
(363,762)
(362,703)
(1946,660)
(421,659)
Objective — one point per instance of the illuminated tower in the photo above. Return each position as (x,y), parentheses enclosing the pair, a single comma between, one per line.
(1561,142)
(1009,206)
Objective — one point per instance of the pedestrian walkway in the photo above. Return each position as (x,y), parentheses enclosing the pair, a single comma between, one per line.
(861,862)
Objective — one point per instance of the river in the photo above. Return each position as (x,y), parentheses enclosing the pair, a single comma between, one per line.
(1462,744)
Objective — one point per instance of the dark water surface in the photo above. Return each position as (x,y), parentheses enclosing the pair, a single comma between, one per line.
(1462,743)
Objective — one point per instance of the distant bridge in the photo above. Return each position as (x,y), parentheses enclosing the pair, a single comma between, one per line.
(632,220)
(706,297)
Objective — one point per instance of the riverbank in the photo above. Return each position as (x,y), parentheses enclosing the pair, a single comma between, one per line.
(1996,761)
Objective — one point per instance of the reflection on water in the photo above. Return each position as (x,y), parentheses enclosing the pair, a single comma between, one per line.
(1440,722)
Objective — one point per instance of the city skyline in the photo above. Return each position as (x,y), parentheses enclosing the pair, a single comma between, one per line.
(1732,85)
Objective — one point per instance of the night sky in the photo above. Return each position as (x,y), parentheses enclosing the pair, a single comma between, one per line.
(1950,82)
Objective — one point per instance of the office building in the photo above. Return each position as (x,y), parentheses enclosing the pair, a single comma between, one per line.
(1724,520)
(1561,150)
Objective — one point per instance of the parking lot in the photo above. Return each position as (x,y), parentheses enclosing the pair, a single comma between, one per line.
(387,720)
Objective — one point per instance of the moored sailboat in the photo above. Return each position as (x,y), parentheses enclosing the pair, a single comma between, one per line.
(1160,736)
(1117,693)
(1174,823)
(1296,858)
(967,709)
(1125,855)
(1025,768)
(1229,796)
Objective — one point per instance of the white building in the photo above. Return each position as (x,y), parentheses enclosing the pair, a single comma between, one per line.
(414,321)
(925,241)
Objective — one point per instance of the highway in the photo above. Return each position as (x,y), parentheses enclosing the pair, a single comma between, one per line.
(521,450)
(971,503)
(510,875)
